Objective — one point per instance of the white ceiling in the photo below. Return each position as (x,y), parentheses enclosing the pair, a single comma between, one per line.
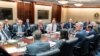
(85,2)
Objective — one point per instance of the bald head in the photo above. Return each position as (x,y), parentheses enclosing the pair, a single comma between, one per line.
(70,20)
(40,22)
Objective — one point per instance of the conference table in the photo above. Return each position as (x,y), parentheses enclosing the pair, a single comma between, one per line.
(16,47)
(19,47)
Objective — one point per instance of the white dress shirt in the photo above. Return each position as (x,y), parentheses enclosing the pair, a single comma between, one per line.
(49,28)
(19,30)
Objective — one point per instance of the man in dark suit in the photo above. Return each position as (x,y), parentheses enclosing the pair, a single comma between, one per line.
(7,26)
(19,29)
(90,30)
(4,34)
(40,26)
(86,24)
(69,25)
(80,33)
(38,46)
(28,28)
(27,24)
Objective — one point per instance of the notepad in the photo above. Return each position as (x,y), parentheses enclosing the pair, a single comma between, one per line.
(14,49)
(22,49)
(11,49)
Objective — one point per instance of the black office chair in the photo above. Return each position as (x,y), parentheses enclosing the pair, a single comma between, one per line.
(53,52)
(82,49)
(95,44)
(64,34)
(67,47)
(33,27)
(3,52)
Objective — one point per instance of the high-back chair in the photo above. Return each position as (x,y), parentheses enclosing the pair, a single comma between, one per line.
(66,48)
(95,44)
(64,34)
(83,48)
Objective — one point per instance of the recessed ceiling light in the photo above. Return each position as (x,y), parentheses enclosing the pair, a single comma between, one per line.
(62,2)
(78,4)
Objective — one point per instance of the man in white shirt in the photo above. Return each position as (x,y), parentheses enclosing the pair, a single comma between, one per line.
(51,27)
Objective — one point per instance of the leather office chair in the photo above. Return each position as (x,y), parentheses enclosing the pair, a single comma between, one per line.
(64,34)
(53,52)
(67,47)
(95,44)
(82,49)
(33,27)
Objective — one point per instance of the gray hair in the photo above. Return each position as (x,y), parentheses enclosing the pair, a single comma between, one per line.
(37,35)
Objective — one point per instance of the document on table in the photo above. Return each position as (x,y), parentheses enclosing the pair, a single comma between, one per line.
(15,49)
(11,49)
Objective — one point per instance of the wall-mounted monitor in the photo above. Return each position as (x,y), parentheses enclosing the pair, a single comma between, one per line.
(43,14)
(6,13)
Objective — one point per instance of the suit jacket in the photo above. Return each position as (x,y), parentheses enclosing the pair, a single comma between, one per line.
(81,34)
(67,25)
(7,33)
(29,29)
(42,29)
(92,32)
(37,47)
(27,25)
(15,29)
(9,27)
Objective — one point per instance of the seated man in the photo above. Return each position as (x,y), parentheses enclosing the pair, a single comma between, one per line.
(38,46)
(7,26)
(69,25)
(4,34)
(81,34)
(19,29)
(52,27)
(40,26)
(90,30)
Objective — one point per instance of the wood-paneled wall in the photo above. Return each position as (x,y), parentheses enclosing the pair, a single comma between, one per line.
(26,10)
(56,12)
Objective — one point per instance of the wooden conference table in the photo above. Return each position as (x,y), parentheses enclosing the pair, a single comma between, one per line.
(18,48)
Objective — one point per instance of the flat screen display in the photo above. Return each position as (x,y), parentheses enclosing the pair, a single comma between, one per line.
(43,14)
(6,13)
